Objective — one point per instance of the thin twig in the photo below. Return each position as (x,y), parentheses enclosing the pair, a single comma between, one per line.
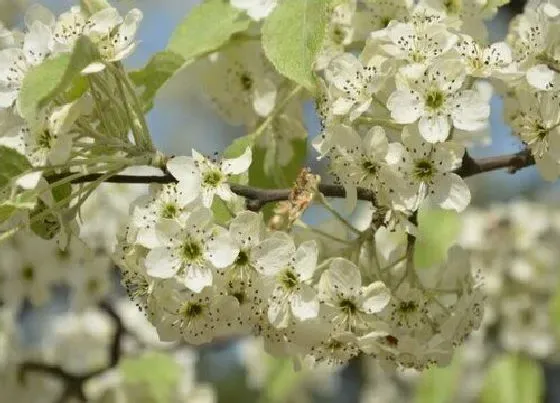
(258,197)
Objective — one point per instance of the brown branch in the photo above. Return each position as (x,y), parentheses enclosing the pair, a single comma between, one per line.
(73,384)
(258,197)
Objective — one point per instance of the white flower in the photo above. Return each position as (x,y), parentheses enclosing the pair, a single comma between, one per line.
(67,29)
(194,316)
(536,121)
(433,96)
(418,41)
(483,61)
(191,251)
(361,162)
(241,83)
(165,204)
(50,140)
(354,84)
(428,169)
(113,35)
(291,273)
(256,9)
(198,175)
(15,62)
(349,305)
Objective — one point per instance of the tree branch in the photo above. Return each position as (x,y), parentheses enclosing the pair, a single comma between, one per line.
(73,384)
(258,197)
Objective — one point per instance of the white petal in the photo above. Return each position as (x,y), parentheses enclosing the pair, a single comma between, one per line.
(451,192)
(375,142)
(93,68)
(161,264)
(198,277)
(237,165)
(541,77)
(306,260)
(274,253)
(341,106)
(247,228)
(279,309)
(405,107)
(305,304)
(342,277)
(375,297)
(434,129)
(264,98)
(221,250)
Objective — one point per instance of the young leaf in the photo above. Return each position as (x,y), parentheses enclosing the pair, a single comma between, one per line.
(293,36)
(159,69)
(438,385)
(47,80)
(158,372)
(207,27)
(12,164)
(513,379)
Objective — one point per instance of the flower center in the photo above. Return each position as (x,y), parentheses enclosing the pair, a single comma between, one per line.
(348,306)
(541,131)
(93,286)
(169,211)
(407,307)
(424,169)
(212,178)
(240,296)
(28,273)
(369,167)
(288,279)
(45,139)
(434,99)
(191,250)
(452,6)
(338,35)
(246,81)
(192,309)
(242,259)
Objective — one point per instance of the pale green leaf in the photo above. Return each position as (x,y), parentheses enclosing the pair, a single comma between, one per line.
(159,69)
(48,225)
(438,229)
(293,36)
(207,27)
(238,146)
(52,77)
(12,164)
(281,381)
(159,373)
(438,385)
(513,379)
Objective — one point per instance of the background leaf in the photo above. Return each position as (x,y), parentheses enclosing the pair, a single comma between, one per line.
(293,36)
(12,164)
(513,379)
(437,231)
(159,373)
(159,69)
(47,80)
(207,27)
(438,385)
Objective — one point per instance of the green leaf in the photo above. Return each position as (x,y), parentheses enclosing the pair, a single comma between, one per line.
(438,385)
(554,312)
(513,379)
(281,381)
(207,27)
(293,36)
(12,164)
(158,372)
(238,146)
(45,81)
(159,69)
(437,231)
(49,225)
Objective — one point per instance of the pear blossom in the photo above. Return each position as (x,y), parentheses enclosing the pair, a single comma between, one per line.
(198,175)
(536,121)
(348,304)
(483,61)
(433,96)
(191,251)
(428,169)
(291,270)
(354,83)
(247,89)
